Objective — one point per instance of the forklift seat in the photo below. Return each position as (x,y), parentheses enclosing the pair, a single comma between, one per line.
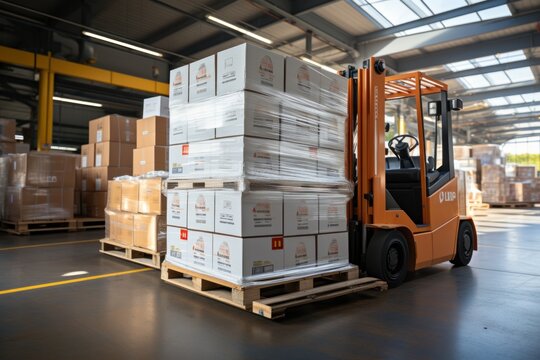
(394,174)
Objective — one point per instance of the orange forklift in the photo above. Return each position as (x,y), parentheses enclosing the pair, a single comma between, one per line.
(399,156)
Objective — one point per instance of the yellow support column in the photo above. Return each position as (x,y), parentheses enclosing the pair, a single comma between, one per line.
(45,109)
(50,108)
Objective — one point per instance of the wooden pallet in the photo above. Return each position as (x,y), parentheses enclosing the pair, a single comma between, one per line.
(25,227)
(479,209)
(204,184)
(132,253)
(87,223)
(271,299)
(515,205)
(242,184)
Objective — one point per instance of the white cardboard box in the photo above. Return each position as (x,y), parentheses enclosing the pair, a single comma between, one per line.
(249,214)
(202,79)
(299,251)
(299,124)
(249,67)
(201,207)
(297,161)
(247,113)
(332,131)
(300,214)
(201,120)
(238,258)
(178,86)
(177,208)
(178,126)
(333,248)
(331,164)
(156,106)
(332,213)
(333,92)
(302,80)
(189,248)
(179,161)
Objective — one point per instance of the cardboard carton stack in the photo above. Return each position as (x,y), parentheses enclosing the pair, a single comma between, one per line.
(5,163)
(494,185)
(270,127)
(152,151)
(524,186)
(7,136)
(136,213)
(108,154)
(468,171)
(40,186)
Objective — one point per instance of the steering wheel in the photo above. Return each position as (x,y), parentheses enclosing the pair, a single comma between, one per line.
(397,144)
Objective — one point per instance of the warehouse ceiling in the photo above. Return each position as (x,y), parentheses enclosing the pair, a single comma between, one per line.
(488,51)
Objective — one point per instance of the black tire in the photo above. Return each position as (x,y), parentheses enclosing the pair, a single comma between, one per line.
(465,244)
(388,257)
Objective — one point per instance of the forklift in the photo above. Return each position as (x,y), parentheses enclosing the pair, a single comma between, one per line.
(404,214)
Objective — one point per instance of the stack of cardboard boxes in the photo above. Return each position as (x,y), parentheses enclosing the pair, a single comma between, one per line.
(108,154)
(252,117)
(7,136)
(40,186)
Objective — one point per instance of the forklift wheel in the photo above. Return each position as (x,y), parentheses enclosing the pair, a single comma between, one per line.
(387,257)
(464,245)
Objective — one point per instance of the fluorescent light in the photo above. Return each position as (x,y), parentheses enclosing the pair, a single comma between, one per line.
(74,101)
(63,148)
(324,67)
(239,29)
(19,137)
(121,43)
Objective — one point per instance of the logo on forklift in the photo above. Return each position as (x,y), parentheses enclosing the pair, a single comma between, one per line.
(447,196)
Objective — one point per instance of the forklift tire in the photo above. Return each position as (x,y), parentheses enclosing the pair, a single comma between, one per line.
(388,257)
(465,242)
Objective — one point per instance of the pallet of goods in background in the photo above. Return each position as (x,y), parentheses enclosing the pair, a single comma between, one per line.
(468,172)
(257,197)
(135,209)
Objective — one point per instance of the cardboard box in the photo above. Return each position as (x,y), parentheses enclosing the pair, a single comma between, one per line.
(201,120)
(7,130)
(248,214)
(87,155)
(333,92)
(332,131)
(151,158)
(293,157)
(121,228)
(248,67)
(32,203)
(202,79)
(300,214)
(42,169)
(302,80)
(86,175)
(240,258)
(93,204)
(98,177)
(149,232)
(189,248)
(299,251)
(332,213)
(77,208)
(177,208)
(7,148)
(179,161)
(525,172)
(331,165)
(201,207)
(247,113)
(153,131)
(333,248)
(299,123)
(114,154)
(130,195)
(112,128)
(156,106)
(114,197)
(178,126)
(151,199)
(78,179)
(178,86)
(22,148)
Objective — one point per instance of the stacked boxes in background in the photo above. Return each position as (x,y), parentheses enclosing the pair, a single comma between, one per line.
(254,119)
(40,186)
(108,154)
(7,136)
(136,213)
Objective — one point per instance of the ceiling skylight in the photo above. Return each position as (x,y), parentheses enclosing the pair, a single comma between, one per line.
(487,61)
(519,110)
(389,13)
(514,99)
(511,76)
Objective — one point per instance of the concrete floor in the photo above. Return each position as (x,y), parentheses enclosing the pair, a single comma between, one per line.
(489,310)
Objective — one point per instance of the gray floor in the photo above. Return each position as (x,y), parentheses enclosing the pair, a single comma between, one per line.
(489,310)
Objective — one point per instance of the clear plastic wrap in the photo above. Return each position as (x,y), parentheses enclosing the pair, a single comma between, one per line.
(5,162)
(43,169)
(31,203)
(138,230)
(137,194)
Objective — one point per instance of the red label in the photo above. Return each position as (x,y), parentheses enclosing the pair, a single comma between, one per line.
(277,243)
(183,234)
(185,149)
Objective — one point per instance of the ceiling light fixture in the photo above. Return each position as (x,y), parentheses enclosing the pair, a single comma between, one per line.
(121,43)
(75,101)
(324,67)
(239,29)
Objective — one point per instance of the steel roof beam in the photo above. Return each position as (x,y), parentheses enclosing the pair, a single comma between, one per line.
(501,107)
(487,69)
(505,91)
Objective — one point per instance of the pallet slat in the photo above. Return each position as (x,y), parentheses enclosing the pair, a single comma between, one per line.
(25,227)
(90,223)
(131,253)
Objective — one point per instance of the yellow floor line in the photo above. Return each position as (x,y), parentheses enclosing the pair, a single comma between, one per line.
(71,281)
(49,244)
